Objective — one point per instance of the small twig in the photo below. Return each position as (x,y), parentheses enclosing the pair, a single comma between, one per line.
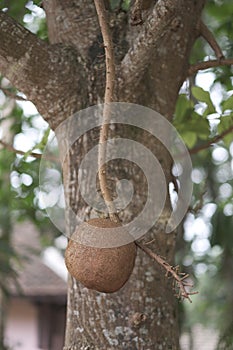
(211,141)
(108,98)
(14,150)
(200,203)
(207,144)
(151,241)
(209,37)
(10,94)
(17,151)
(180,282)
(193,69)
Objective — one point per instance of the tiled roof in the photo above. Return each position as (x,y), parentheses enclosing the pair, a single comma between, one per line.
(35,279)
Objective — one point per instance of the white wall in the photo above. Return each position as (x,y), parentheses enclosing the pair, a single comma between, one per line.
(203,339)
(21,331)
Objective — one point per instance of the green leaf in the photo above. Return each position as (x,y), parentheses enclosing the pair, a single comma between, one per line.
(195,125)
(116,4)
(189,138)
(15,9)
(203,96)
(184,107)
(225,123)
(41,145)
(227,104)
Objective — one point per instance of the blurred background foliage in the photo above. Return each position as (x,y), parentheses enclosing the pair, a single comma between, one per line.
(204,114)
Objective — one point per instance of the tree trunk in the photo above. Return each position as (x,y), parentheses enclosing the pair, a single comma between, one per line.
(152,63)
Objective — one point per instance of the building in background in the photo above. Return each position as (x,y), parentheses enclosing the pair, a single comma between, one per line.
(36,310)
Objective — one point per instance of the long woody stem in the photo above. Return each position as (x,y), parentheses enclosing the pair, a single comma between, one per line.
(108,98)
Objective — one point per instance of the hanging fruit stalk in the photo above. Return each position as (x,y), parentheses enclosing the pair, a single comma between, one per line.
(102,269)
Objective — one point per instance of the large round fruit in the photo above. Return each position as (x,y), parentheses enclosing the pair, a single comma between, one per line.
(102,269)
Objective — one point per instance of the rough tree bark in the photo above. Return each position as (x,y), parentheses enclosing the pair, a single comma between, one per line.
(66,75)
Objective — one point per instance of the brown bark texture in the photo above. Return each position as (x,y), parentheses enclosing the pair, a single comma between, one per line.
(68,74)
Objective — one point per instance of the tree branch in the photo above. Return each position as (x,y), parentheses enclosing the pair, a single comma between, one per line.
(209,37)
(211,141)
(51,76)
(140,54)
(12,95)
(179,278)
(14,150)
(31,154)
(193,69)
(18,46)
(221,61)
(73,23)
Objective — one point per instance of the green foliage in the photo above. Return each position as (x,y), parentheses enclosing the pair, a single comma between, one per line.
(227,104)
(7,253)
(19,183)
(184,107)
(222,230)
(211,307)
(119,4)
(20,9)
(226,122)
(225,341)
(221,12)
(194,126)
(15,9)
(211,267)
(190,124)
(8,259)
(198,51)
(203,96)
(38,146)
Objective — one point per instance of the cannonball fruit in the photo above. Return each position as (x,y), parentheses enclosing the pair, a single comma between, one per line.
(102,269)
